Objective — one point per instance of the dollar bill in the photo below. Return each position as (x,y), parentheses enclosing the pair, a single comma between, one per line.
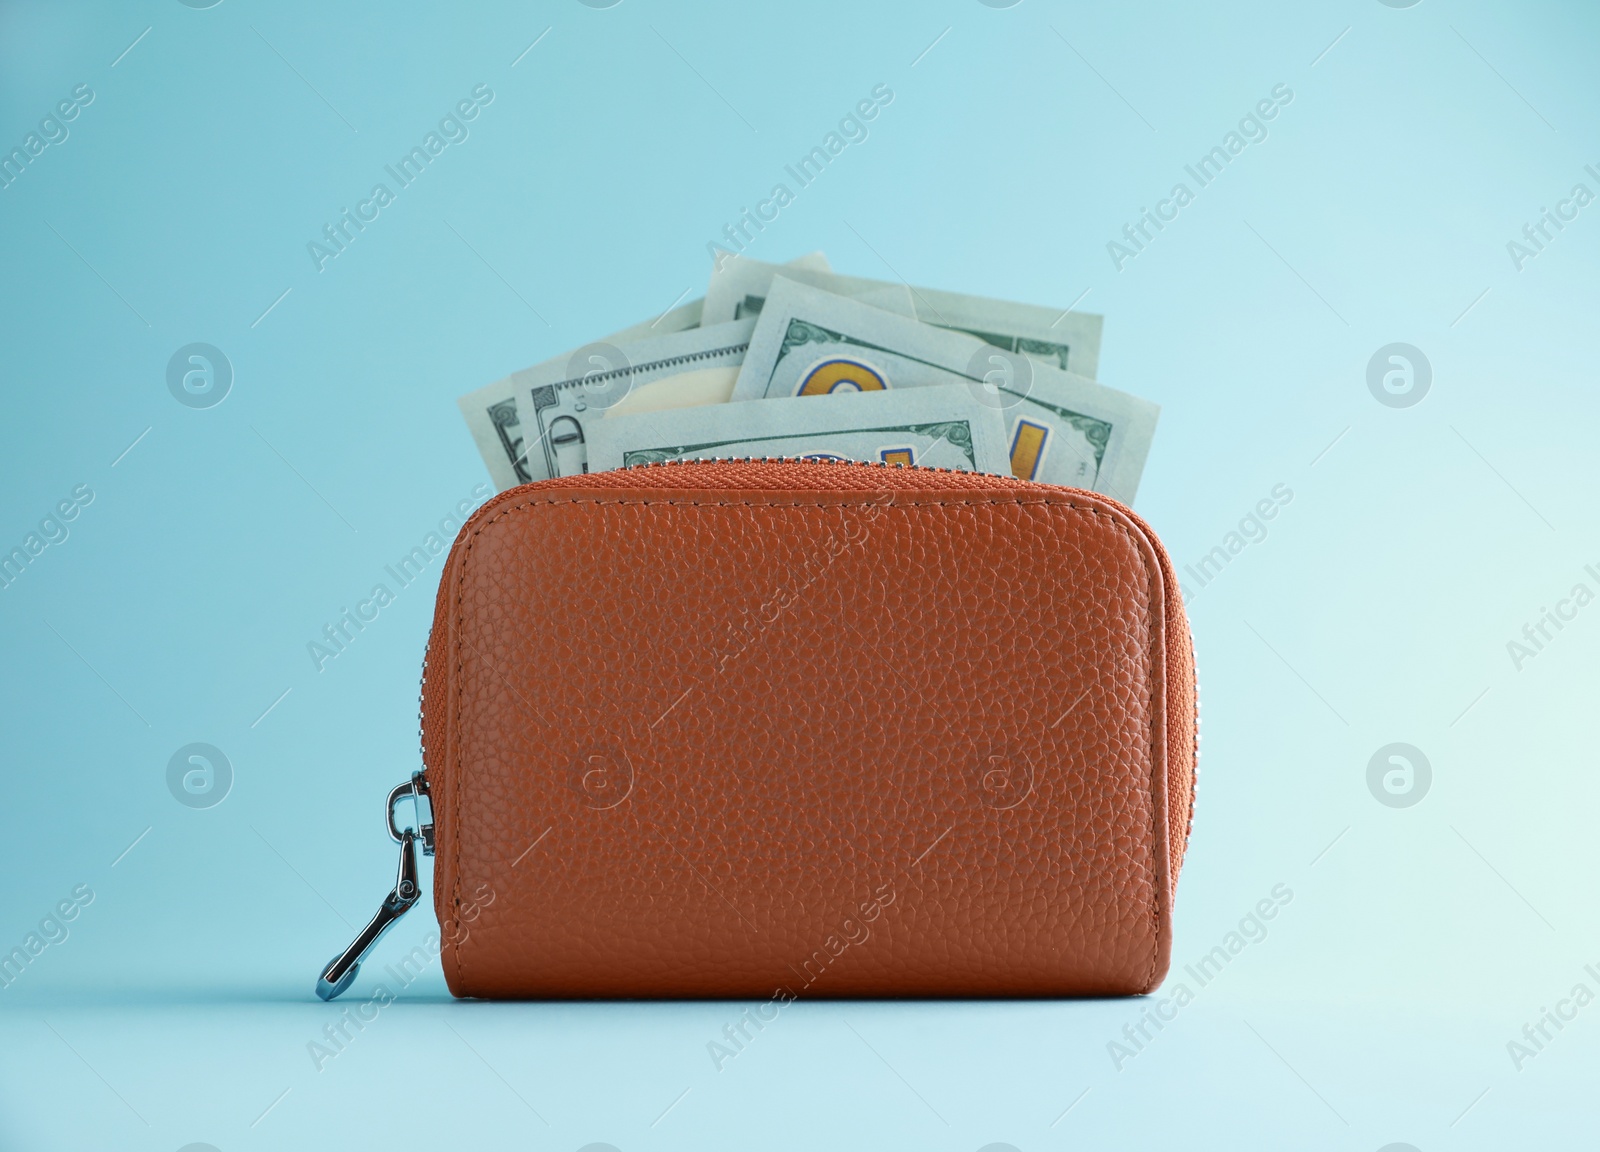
(559,405)
(1061,428)
(1066,340)
(491,411)
(939,427)
(493,418)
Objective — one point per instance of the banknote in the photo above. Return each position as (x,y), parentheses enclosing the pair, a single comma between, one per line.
(559,405)
(938,427)
(1061,428)
(491,411)
(1066,340)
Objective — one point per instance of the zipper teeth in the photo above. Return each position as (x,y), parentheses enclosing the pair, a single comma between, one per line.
(1194,781)
(806,461)
(422,696)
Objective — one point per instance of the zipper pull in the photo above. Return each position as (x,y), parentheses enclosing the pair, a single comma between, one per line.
(341,971)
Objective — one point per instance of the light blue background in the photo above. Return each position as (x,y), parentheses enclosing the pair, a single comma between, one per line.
(1379,1007)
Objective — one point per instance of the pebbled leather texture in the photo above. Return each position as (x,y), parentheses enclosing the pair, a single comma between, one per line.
(757,729)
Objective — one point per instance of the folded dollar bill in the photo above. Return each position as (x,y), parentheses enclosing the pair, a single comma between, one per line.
(819,364)
(491,411)
(493,418)
(559,405)
(1061,428)
(1066,340)
(937,427)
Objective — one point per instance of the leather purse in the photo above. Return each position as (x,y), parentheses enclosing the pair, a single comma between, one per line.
(788,728)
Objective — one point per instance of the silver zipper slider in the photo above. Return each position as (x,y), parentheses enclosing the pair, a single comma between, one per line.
(341,971)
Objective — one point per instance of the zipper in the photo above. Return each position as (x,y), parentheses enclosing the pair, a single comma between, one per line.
(1194,773)
(342,969)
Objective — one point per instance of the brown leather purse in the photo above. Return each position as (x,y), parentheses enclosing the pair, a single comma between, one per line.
(778,729)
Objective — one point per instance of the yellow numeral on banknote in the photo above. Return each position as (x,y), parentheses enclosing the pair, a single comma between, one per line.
(840,376)
(1028,445)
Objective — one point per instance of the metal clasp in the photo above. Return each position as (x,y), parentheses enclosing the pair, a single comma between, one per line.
(416,789)
(342,969)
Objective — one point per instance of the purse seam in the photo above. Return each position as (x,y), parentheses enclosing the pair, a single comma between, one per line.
(1020,501)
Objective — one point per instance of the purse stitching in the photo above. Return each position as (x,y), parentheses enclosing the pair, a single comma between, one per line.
(503,512)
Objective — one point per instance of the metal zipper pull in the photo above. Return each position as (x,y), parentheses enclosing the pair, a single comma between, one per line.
(341,971)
